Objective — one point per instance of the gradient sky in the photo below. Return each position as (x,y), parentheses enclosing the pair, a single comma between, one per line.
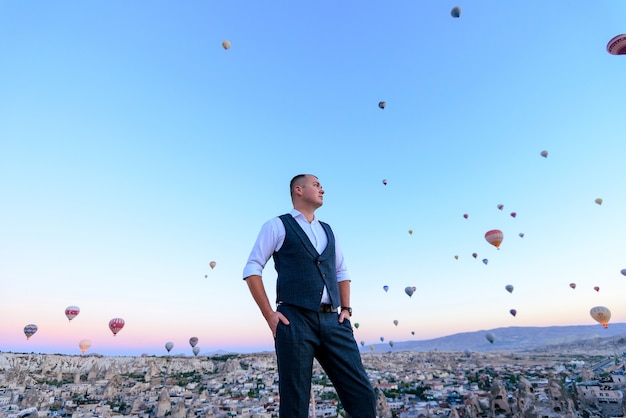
(134,150)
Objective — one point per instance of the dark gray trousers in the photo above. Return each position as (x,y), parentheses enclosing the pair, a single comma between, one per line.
(320,335)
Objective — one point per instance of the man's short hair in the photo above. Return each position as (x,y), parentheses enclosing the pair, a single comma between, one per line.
(296,181)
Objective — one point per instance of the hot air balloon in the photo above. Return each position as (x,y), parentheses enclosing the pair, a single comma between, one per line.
(382,105)
(513,312)
(465,215)
(467,352)
(521,235)
(226,45)
(84,345)
(409,290)
(71,312)
(395,322)
(382,339)
(356,325)
(572,285)
(474,255)
(169,345)
(385,182)
(617,45)
(601,314)
(362,343)
(623,271)
(386,288)
(455,12)
(456,257)
(391,344)
(212,264)
(371,348)
(485,261)
(195,351)
(544,154)
(30,330)
(193,341)
(513,214)
(490,337)
(598,201)
(115,325)
(494,237)
(410,232)
(509,288)
(412,332)
(206,276)
(596,288)
(500,206)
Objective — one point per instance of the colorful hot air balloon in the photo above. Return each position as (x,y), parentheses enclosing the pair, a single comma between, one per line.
(513,214)
(598,201)
(513,312)
(30,330)
(465,215)
(455,12)
(71,312)
(382,105)
(115,325)
(193,341)
(84,345)
(409,290)
(212,264)
(169,345)
(596,288)
(544,154)
(386,288)
(395,322)
(494,237)
(601,314)
(195,351)
(226,45)
(572,285)
(485,261)
(617,45)
(385,182)
(490,337)
(509,288)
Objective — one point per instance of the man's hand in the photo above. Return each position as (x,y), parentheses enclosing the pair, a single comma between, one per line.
(344,315)
(273,320)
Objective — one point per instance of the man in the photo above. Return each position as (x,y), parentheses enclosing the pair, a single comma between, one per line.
(312,284)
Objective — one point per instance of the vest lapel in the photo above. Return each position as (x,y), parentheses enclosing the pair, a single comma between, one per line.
(295,227)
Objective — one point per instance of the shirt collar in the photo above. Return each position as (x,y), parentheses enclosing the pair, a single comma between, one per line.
(297,214)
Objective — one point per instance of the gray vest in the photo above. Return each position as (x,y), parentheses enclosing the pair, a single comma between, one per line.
(302,271)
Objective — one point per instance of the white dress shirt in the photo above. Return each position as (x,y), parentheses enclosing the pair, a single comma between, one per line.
(272,237)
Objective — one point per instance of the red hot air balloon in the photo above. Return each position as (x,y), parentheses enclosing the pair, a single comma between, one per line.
(465,215)
(71,312)
(596,288)
(494,237)
(212,264)
(572,285)
(617,45)
(513,214)
(116,325)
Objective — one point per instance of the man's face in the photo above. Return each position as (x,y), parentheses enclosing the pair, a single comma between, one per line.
(312,191)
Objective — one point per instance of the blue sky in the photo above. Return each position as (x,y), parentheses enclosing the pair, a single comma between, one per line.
(134,150)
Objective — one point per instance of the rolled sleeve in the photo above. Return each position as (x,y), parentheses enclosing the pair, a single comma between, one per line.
(269,240)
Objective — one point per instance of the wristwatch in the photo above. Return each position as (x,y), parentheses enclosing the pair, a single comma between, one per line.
(347,308)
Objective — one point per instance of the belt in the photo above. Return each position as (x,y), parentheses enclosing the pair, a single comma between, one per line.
(327,308)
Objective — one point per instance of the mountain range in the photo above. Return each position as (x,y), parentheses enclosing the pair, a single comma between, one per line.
(514,339)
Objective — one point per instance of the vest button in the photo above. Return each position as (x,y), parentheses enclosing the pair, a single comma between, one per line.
(319,262)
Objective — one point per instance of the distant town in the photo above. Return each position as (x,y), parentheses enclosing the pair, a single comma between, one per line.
(575,380)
